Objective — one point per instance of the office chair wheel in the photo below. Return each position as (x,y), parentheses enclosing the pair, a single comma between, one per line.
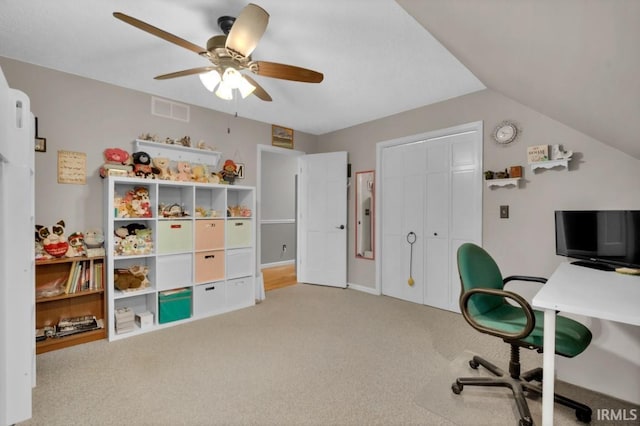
(583,415)
(457,388)
(527,421)
(473,364)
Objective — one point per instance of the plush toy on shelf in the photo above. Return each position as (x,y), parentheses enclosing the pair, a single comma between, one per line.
(76,241)
(229,171)
(116,163)
(142,166)
(199,173)
(184,171)
(53,240)
(162,165)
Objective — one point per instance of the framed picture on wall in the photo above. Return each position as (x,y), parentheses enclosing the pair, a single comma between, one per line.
(281,136)
(240,171)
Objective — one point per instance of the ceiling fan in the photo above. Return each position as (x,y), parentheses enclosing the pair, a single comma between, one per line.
(231,53)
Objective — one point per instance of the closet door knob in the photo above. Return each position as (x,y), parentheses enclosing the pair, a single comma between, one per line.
(435,233)
(340,227)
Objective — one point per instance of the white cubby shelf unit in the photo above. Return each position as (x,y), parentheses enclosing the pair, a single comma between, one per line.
(211,253)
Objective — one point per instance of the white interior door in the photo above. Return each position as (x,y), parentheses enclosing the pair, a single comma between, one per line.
(322,219)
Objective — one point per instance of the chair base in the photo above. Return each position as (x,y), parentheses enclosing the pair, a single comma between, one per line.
(519,384)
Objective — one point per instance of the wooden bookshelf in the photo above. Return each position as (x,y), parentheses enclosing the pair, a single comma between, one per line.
(89,301)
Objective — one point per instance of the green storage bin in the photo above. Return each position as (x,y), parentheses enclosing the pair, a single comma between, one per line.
(174,305)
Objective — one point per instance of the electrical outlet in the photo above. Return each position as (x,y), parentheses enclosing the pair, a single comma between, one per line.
(504,212)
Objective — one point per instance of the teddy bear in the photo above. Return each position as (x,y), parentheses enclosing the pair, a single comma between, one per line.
(184,171)
(134,277)
(125,280)
(142,165)
(199,173)
(162,164)
(140,202)
(116,162)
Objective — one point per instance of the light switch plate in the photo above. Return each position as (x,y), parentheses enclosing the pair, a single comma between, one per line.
(504,212)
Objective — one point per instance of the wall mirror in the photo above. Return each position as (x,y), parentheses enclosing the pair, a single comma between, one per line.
(365,214)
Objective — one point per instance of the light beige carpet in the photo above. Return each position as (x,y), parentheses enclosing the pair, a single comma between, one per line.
(488,406)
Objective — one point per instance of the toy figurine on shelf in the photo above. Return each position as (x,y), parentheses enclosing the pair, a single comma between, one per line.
(229,172)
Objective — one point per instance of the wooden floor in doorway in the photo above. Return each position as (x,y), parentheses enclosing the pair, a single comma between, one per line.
(279,276)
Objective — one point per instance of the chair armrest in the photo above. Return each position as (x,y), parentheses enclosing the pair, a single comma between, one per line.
(526,308)
(524,278)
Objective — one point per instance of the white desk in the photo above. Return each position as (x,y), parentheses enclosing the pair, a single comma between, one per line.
(583,291)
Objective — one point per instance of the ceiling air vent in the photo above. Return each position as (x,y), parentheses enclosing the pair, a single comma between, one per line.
(169,109)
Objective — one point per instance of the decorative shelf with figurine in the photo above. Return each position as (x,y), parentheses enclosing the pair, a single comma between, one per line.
(509,177)
(503,182)
(550,164)
(548,157)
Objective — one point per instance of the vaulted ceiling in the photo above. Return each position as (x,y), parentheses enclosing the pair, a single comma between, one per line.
(575,61)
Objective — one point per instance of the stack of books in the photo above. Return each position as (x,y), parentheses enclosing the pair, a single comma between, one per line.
(124,320)
(69,326)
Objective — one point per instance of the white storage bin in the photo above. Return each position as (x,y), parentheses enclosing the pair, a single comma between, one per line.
(174,271)
(209,299)
(240,293)
(239,263)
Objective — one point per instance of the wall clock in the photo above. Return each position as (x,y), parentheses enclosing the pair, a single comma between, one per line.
(505,132)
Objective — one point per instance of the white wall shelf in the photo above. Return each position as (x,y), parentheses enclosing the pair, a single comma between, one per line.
(502,182)
(179,153)
(550,164)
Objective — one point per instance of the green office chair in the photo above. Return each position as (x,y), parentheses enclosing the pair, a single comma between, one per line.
(484,305)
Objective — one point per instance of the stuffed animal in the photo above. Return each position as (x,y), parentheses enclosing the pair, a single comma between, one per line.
(140,202)
(116,162)
(199,173)
(76,241)
(229,171)
(142,165)
(94,238)
(124,280)
(162,164)
(53,241)
(184,171)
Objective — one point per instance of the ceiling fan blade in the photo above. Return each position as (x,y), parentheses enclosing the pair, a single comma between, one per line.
(286,72)
(199,70)
(247,30)
(160,33)
(259,92)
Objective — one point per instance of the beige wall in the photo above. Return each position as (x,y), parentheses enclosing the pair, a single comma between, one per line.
(79,114)
(599,176)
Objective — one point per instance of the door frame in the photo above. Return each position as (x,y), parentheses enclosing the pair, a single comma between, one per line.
(275,150)
(406,140)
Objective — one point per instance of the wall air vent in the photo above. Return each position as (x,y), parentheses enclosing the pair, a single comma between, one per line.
(169,109)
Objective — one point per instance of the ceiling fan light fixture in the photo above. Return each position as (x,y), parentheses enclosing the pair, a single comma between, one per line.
(245,88)
(225,91)
(210,79)
(232,77)
(247,30)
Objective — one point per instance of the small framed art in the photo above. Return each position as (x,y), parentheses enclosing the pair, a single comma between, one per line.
(281,136)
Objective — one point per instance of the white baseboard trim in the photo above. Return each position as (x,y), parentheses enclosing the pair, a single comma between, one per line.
(274,264)
(364,289)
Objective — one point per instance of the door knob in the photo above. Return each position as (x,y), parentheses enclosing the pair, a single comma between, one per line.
(340,227)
